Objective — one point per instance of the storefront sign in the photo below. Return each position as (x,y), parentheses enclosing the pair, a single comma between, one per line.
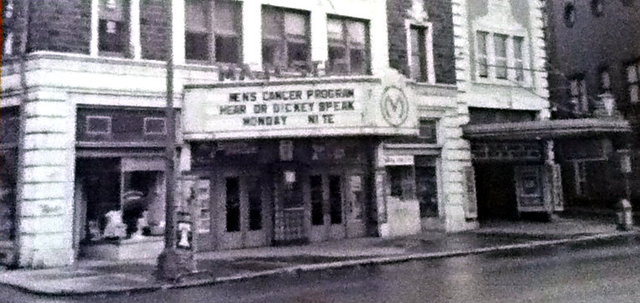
(397,160)
(289,108)
(281,107)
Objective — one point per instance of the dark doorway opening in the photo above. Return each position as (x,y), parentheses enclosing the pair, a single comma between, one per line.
(496,192)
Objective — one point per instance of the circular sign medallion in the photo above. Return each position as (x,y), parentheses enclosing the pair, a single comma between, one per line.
(394,106)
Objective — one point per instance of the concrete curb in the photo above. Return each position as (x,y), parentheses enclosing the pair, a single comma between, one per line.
(398,259)
(299,269)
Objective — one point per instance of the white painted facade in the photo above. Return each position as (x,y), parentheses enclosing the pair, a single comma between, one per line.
(58,83)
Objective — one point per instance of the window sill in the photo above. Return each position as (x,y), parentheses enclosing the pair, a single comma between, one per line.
(502,82)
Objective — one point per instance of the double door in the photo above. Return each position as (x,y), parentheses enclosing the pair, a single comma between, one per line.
(335,204)
(243,211)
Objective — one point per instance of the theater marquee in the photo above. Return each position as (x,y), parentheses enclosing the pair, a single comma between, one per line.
(269,109)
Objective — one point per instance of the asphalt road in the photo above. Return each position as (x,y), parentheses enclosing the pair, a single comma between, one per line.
(601,272)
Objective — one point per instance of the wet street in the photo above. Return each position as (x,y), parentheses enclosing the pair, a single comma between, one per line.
(604,272)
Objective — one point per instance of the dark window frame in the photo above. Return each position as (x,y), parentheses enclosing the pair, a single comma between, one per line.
(349,47)
(422,53)
(212,34)
(114,44)
(597,8)
(283,40)
(569,15)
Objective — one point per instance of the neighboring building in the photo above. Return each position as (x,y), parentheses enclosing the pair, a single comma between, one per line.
(290,118)
(501,77)
(594,70)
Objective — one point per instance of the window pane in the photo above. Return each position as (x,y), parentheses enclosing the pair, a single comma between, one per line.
(632,73)
(500,48)
(574,87)
(517,47)
(297,52)
(196,16)
(295,24)
(255,203)
(358,58)
(634,93)
(317,213)
(395,181)
(501,68)
(227,49)
(482,43)
(271,24)
(225,20)
(483,68)
(356,32)
(112,10)
(197,46)
(233,204)
(272,52)
(335,199)
(519,71)
(605,80)
(111,36)
(334,30)
(337,59)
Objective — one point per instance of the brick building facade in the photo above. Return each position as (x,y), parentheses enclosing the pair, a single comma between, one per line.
(593,75)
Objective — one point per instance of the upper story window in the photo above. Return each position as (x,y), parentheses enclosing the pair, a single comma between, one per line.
(113,30)
(428,131)
(597,7)
(212,31)
(569,15)
(605,80)
(285,39)
(421,54)
(578,94)
(7,33)
(500,52)
(348,53)
(500,57)
(633,76)
(482,55)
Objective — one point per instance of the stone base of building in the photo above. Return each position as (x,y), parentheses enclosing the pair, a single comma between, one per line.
(130,249)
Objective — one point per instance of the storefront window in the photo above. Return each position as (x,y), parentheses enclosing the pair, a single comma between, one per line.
(401,182)
(117,202)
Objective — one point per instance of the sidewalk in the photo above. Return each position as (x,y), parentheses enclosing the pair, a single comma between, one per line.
(91,277)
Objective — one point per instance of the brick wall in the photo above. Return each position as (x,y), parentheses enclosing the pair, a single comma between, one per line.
(154,29)
(440,15)
(61,26)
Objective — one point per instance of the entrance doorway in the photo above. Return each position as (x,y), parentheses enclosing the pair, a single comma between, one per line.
(243,212)
(496,192)
(326,200)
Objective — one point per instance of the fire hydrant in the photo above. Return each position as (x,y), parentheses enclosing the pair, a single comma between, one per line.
(625,215)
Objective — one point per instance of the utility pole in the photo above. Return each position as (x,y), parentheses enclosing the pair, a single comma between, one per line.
(169,260)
